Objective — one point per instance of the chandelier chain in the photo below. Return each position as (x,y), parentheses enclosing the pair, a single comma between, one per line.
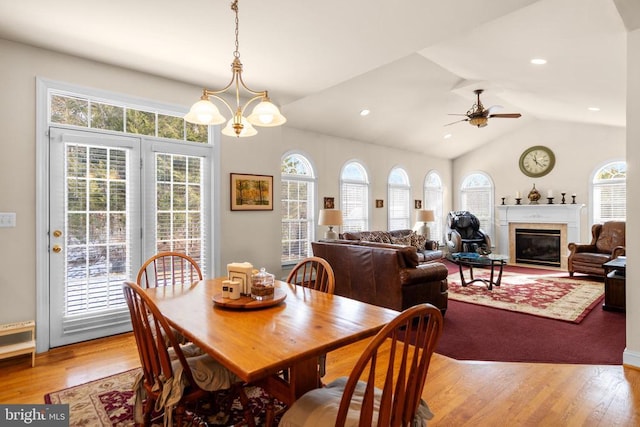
(234,7)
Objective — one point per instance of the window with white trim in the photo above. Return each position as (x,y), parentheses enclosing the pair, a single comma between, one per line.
(297,207)
(476,196)
(399,194)
(433,200)
(354,197)
(609,192)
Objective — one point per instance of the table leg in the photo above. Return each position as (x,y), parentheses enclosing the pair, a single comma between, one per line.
(490,284)
(303,376)
(462,281)
(500,273)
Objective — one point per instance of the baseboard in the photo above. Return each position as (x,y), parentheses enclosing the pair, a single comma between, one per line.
(631,358)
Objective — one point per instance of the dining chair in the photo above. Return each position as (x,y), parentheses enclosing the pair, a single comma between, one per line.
(170,381)
(397,359)
(168,268)
(313,272)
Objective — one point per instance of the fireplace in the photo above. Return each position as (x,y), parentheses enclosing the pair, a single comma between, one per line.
(537,246)
(563,217)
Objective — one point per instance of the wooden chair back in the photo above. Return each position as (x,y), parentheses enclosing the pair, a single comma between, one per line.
(154,337)
(168,268)
(413,337)
(313,272)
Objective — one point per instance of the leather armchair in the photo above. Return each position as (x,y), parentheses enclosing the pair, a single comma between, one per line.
(607,243)
(464,233)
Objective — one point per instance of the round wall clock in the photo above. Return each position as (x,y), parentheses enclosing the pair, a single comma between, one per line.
(537,161)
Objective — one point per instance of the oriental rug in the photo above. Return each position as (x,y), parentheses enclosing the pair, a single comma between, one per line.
(554,296)
(109,402)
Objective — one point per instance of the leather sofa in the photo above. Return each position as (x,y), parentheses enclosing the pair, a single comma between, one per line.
(426,249)
(607,243)
(384,274)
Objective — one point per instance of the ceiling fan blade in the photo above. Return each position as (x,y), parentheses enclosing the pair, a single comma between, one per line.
(454,114)
(507,115)
(457,121)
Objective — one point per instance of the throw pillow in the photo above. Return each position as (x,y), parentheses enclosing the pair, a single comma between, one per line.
(375,236)
(402,240)
(418,241)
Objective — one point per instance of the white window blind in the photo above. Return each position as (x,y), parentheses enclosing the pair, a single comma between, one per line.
(399,192)
(433,195)
(610,193)
(476,196)
(354,197)
(297,194)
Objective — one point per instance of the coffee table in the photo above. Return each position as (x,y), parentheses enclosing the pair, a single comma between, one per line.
(472,259)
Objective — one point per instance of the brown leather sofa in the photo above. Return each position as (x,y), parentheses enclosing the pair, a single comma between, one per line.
(384,274)
(427,250)
(607,243)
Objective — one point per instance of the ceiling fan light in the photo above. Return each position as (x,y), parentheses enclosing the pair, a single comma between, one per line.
(247,129)
(266,114)
(478,121)
(204,112)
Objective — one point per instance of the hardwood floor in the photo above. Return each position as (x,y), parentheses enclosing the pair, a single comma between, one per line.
(460,393)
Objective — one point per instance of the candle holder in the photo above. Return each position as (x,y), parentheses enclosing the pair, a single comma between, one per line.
(518,199)
(503,198)
(573,199)
(563,201)
(549,200)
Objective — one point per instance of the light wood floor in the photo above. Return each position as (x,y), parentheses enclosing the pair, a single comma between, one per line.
(459,393)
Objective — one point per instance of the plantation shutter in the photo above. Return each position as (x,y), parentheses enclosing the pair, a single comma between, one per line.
(610,202)
(354,206)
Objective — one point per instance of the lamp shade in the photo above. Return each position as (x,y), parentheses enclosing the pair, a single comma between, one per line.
(425,216)
(247,129)
(266,114)
(204,112)
(330,217)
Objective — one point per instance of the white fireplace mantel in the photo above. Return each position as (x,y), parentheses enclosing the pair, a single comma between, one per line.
(568,214)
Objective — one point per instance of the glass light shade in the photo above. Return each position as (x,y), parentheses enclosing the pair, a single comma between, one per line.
(330,217)
(247,129)
(204,112)
(266,114)
(425,216)
(478,121)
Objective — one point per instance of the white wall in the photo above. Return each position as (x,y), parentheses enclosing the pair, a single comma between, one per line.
(632,352)
(579,149)
(242,236)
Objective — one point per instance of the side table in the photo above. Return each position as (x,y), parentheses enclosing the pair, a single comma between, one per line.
(614,284)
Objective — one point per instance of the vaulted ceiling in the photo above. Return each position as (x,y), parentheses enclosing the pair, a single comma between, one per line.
(411,63)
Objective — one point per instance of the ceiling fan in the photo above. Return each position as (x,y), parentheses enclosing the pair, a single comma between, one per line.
(479,116)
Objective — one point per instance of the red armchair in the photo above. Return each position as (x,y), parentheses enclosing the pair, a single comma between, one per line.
(607,243)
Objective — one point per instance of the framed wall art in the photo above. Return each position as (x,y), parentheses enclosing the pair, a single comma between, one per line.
(379,203)
(251,192)
(329,203)
(417,204)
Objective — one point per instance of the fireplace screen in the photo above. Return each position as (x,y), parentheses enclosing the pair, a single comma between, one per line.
(538,247)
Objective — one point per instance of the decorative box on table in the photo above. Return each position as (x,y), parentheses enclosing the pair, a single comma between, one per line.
(241,272)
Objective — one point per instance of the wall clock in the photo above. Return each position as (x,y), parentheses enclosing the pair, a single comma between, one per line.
(537,161)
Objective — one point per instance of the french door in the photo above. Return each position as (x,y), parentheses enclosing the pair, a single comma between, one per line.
(94,234)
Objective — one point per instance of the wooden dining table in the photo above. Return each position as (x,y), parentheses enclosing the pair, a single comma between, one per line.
(259,343)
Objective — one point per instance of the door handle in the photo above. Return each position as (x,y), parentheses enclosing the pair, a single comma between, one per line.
(57,248)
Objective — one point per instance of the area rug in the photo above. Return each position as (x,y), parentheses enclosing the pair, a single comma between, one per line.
(553,296)
(109,402)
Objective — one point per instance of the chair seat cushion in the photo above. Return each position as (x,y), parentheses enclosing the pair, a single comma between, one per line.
(591,258)
(319,407)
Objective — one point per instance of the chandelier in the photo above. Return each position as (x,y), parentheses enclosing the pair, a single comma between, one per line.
(265,113)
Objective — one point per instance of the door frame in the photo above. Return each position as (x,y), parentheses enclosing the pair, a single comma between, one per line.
(42,267)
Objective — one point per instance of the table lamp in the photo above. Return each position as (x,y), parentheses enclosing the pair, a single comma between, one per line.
(424,216)
(331,218)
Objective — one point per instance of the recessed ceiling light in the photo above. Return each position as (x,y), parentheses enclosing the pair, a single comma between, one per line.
(538,61)
(593,109)
(447,136)
(364,112)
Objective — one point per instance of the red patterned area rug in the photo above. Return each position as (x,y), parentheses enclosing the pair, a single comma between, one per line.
(109,402)
(554,296)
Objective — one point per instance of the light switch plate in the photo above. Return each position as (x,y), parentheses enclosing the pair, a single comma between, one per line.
(7,219)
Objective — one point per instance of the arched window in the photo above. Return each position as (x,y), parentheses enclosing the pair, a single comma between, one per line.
(476,196)
(433,200)
(399,200)
(609,192)
(297,196)
(354,197)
